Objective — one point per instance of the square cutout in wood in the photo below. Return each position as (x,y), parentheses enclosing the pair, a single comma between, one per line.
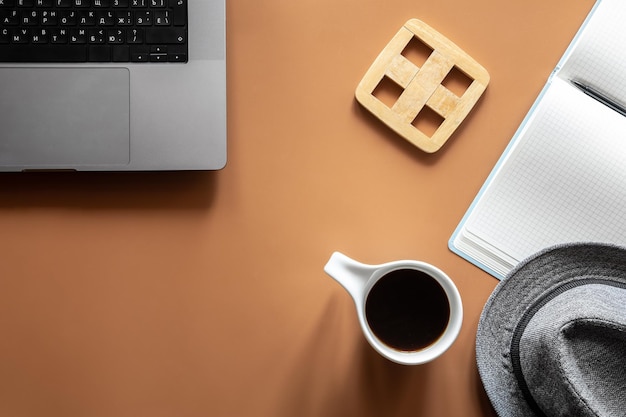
(432,74)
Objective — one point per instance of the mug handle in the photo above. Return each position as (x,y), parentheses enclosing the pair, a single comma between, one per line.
(352,275)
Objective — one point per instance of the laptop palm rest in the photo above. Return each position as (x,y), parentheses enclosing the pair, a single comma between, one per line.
(64,117)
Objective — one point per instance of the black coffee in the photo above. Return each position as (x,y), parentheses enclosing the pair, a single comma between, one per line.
(407,309)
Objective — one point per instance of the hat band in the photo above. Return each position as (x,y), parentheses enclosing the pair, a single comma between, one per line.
(523,323)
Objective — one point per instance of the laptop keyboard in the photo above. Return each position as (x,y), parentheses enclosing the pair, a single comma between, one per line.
(58,31)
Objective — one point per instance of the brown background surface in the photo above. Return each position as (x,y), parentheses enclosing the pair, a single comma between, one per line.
(203,294)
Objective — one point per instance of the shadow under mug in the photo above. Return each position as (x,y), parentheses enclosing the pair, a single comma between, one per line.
(410,311)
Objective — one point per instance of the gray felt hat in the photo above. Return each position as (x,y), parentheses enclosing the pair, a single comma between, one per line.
(551,339)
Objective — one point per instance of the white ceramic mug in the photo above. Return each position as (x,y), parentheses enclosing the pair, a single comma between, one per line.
(387,295)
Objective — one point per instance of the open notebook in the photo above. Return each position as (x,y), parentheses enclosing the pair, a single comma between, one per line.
(563,176)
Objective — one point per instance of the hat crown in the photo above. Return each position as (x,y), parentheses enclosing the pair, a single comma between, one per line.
(572,352)
(543,349)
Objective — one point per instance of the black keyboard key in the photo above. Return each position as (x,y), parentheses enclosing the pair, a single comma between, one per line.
(134,36)
(116,36)
(9,17)
(162,18)
(49,18)
(78,36)
(43,53)
(120,53)
(158,49)
(139,57)
(143,18)
(99,53)
(124,18)
(97,36)
(177,57)
(30,18)
(67,17)
(105,18)
(20,36)
(58,35)
(39,36)
(179,11)
(166,35)
(158,57)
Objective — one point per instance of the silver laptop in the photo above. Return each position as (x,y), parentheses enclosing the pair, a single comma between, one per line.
(112,85)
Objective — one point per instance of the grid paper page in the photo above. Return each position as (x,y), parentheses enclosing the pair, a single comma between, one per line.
(598,57)
(563,181)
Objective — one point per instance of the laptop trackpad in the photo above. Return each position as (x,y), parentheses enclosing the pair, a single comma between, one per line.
(64,117)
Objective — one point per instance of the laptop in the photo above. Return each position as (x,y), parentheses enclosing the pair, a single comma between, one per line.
(112,85)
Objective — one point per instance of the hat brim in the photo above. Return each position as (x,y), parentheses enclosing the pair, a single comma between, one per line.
(519,291)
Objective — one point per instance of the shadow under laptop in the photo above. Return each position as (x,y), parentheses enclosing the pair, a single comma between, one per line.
(109,190)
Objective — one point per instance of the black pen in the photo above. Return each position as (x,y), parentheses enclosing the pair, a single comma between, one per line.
(600,97)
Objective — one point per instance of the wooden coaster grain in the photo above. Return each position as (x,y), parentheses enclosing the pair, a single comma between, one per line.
(422,85)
